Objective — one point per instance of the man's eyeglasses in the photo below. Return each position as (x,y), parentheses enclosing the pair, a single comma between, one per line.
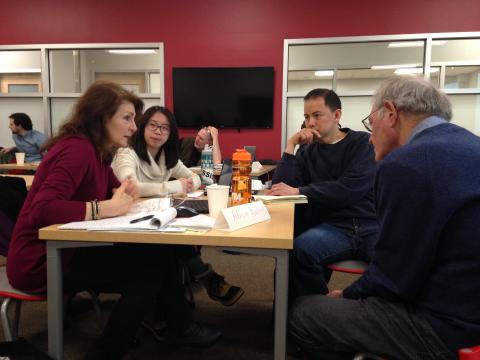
(154,127)
(367,121)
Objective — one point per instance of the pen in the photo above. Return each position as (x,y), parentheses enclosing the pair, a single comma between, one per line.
(141,219)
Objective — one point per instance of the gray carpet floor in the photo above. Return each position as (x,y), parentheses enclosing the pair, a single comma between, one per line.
(247,326)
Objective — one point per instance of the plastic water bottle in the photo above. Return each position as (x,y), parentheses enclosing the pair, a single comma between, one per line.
(241,182)
(206,163)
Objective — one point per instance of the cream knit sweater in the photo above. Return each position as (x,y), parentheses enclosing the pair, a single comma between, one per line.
(152,179)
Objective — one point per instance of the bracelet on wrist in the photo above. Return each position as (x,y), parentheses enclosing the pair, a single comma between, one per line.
(92,209)
(97,208)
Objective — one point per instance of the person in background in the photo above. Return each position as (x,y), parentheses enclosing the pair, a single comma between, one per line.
(427,198)
(333,167)
(151,162)
(26,139)
(75,182)
(191,148)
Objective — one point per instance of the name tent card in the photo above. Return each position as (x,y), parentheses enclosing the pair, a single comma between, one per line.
(237,217)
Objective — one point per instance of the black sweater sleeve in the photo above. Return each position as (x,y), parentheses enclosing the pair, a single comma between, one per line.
(287,171)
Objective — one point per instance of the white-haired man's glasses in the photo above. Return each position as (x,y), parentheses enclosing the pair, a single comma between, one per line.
(367,121)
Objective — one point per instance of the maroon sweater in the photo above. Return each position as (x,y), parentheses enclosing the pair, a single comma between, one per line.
(69,175)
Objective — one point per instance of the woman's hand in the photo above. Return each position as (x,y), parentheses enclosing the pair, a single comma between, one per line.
(187,185)
(122,200)
(132,188)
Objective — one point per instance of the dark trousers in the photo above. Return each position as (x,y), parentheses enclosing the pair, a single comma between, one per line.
(330,328)
(192,257)
(140,273)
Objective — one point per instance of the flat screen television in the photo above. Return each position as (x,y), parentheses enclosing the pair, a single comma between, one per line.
(223,97)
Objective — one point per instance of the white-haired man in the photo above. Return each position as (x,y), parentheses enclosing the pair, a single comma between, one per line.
(420,296)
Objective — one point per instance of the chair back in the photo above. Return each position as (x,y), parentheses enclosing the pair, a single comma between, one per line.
(472,353)
(349,266)
(13,192)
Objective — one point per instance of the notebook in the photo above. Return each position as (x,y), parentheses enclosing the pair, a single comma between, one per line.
(128,222)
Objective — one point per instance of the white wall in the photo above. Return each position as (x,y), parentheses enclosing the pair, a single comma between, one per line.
(13,60)
(466,112)
(359,55)
(62,71)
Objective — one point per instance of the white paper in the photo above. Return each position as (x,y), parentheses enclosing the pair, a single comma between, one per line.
(199,222)
(256,166)
(150,206)
(195,194)
(298,199)
(122,223)
(257,185)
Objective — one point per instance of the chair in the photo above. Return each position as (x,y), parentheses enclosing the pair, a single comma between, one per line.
(349,266)
(11,295)
(472,353)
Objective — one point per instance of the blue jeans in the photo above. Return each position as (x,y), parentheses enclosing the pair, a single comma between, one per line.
(323,245)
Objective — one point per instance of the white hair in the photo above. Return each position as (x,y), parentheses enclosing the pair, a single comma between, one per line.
(414,95)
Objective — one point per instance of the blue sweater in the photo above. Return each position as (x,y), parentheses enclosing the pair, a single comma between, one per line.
(428,253)
(336,178)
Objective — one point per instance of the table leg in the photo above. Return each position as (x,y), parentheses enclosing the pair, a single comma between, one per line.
(281,296)
(281,306)
(55,301)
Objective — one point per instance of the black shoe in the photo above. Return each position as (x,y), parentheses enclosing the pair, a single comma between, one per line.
(198,336)
(159,332)
(220,290)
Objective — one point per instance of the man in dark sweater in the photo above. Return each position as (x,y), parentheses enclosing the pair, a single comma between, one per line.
(420,296)
(334,168)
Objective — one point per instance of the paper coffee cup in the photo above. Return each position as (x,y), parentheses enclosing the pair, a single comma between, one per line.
(20,157)
(217,198)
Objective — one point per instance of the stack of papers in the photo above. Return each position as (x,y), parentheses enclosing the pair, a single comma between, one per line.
(162,221)
(271,199)
(195,223)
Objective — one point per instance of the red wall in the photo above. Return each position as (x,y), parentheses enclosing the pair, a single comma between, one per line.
(227,33)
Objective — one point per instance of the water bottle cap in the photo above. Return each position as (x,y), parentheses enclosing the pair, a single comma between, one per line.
(242,154)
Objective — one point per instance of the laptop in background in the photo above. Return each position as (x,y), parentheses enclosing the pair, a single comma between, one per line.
(226,173)
(201,205)
(251,150)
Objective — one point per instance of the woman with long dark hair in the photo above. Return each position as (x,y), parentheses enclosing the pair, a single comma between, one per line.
(152,161)
(75,182)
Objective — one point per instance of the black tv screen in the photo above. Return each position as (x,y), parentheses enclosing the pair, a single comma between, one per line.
(223,97)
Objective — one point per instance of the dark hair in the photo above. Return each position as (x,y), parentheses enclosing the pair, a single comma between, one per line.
(23,120)
(171,145)
(91,113)
(331,98)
